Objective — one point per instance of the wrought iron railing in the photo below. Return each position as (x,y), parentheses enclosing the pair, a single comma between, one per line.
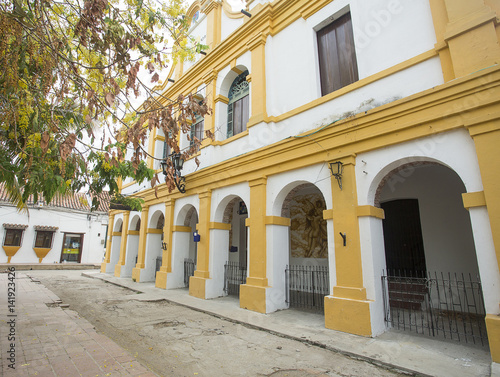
(448,306)
(307,286)
(188,271)
(158,264)
(235,274)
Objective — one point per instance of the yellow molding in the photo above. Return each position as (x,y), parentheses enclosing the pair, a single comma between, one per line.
(473,199)
(133,232)
(385,125)
(370,211)
(462,26)
(154,231)
(350,293)
(221,98)
(258,282)
(159,138)
(41,252)
(493,329)
(116,234)
(483,124)
(10,251)
(232,138)
(257,182)
(222,226)
(277,220)
(328,214)
(180,228)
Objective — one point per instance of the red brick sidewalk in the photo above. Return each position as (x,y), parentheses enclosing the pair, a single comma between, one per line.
(53,341)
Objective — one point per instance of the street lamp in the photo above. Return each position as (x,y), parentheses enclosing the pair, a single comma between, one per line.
(337,168)
(177,162)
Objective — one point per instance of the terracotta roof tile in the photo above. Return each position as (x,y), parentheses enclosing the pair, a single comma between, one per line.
(76,201)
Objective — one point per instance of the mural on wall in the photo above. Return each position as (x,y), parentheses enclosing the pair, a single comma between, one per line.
(308,228)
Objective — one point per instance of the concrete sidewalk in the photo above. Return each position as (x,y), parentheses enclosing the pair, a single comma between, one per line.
(38,337)
(393,350)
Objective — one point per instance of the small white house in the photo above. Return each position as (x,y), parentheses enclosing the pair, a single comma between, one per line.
(64,231)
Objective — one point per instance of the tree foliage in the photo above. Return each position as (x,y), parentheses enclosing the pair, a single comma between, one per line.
(71,70)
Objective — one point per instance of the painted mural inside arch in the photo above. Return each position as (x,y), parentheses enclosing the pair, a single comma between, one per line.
(308,228)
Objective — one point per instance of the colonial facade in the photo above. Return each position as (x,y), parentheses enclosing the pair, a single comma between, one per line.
(356,147)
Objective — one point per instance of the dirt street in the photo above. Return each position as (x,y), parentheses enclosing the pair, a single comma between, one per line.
(176,341)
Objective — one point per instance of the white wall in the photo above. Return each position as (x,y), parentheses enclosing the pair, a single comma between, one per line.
(93,227)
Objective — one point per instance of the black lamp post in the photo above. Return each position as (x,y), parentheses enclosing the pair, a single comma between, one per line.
(177,162)
(337,168)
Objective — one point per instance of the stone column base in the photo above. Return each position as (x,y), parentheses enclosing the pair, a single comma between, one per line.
(118,270)
(348,315)
(136,274)
(103,267)
(253,298)
(493,329)
(161,279)
(197,286)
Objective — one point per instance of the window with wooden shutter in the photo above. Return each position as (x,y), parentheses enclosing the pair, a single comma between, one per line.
(337,56)
(238,106)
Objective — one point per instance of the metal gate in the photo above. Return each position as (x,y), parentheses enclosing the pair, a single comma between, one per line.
(307,286)
(158,264)
(449,306)
(235,274)
(188,271)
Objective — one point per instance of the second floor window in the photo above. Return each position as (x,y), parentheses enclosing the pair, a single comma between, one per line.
(337,57)
(197,129)
(238,106)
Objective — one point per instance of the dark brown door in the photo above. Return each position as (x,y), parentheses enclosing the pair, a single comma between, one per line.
(72,247)
(404,246)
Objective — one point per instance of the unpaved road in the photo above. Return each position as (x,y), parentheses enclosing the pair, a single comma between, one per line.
(176,341)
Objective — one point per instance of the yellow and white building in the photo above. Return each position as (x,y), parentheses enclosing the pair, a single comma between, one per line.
(404,94)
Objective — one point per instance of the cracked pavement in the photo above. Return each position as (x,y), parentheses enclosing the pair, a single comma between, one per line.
(174,340)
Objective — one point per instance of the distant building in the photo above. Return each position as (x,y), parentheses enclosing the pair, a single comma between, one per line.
(64,231)
(354,171)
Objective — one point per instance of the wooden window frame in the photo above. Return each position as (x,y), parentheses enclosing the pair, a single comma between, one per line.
(8,231)
(337,55)
(44,234)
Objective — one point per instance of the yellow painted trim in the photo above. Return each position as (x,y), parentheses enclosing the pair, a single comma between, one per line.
(473,199)
(231,139)
(228,11)
(277,220)
(257,282)
(474,20)
(328,214)
(253,297)
(370,211)
(116,234)
(41,252)
(159,138)
(133,232)
(10,251)
(154,231)
(179,228)
(493,330)
(485,123)
(348,315)
(197,286)
(350,292)
(221,98)
(221,226)
(128,185)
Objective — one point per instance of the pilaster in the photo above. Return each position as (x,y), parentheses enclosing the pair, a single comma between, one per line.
(123,244)
(141,255)
(197,283)
(107,258)
(253,293)
(257,46)
(166,264)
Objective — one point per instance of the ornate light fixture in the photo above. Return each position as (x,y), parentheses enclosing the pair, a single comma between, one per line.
(337,168)
(177,162)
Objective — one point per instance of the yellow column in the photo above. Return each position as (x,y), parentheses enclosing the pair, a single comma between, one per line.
(198,281)
(166,263)
(107,258)
(471,36)
(213,11)
(486,134)
(253,293)
(123,244)
(210,81)
(141,255)
(347,309)
(257,77)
